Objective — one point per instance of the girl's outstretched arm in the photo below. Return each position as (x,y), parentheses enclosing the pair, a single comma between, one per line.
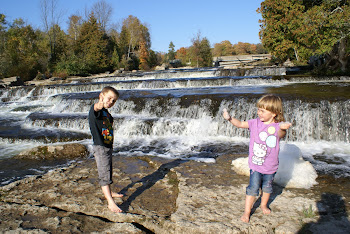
(283,129)
(237,123)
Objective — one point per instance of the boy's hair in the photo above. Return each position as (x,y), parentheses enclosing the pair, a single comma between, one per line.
(109,88)
(272,103)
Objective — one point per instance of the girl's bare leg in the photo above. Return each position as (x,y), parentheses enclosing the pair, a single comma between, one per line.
(249,200)
(116,194)
(264,199)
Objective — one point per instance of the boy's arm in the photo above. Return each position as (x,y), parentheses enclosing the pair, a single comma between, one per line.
(283,129)
(99,105)
(235,122)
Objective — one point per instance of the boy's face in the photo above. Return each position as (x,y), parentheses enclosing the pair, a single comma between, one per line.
(109,98)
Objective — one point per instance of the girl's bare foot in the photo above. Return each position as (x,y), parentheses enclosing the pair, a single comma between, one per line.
(245,218)
(114,208)
(266,210)
(116,194)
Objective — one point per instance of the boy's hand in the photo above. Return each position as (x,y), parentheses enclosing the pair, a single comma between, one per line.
(225,114)
(285,125)
(100,104)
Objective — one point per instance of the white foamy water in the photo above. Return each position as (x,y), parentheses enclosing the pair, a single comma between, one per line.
(179,115)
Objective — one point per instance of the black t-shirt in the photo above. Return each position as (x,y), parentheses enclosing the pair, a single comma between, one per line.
(101,127)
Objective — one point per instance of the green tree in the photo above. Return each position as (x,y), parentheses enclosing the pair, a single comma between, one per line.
(21,51)
(205,54)
(3,60)
(124,39)
(92,46)
(91,53)
(200,52)
(281,20)
(171,51)
(298,29)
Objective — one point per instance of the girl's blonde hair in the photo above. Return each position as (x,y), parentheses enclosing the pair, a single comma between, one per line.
(272,103)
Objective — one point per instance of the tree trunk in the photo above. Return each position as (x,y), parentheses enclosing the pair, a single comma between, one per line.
(342,53)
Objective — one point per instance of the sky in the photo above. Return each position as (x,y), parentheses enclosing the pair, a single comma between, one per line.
(178,21)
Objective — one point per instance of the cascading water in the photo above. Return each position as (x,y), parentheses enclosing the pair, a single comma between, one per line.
(178,114)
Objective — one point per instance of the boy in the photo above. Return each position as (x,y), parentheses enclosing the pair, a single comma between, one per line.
(101,127)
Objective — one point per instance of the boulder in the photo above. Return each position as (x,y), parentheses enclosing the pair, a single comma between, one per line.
(163,67)
(73,150)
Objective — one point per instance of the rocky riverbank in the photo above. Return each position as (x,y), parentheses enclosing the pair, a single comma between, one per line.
(161,196)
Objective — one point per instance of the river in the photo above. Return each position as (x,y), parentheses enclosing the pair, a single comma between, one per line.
(178,114)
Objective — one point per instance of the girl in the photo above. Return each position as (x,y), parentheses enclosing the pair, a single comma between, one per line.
(265,134)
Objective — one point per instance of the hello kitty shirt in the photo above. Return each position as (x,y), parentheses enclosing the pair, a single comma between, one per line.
(263,147)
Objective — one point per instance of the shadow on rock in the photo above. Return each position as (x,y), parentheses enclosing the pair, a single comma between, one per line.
(147,182)
(333,216)
(277,190)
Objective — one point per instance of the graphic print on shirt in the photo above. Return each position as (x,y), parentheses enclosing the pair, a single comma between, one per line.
(107,129)
(260,150)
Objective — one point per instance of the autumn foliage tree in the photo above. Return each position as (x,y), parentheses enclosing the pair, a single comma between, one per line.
(226,48)
(297,29)
(144,56)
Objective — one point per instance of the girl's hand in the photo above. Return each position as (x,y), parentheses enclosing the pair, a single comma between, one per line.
(285,125)
(225,114)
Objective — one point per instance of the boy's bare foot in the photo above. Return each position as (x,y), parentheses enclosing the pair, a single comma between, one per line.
(116,194)
(245,218)
(266,210)
(114,208)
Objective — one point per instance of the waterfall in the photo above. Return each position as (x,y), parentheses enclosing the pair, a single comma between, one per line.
(179,113)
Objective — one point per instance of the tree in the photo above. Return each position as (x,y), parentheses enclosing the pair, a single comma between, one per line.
(92,52)
(135,32)
(182,55)
(223,48)
(205,53)
(171,51)
(51,17)
(297,29)
(21,51)
(102,11)
(243,48)
(75,22)
(3,60)
(280,21)
(144,56)
(124,40)
(195,49)
(200,52)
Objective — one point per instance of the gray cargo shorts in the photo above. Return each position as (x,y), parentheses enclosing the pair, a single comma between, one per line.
(103,157)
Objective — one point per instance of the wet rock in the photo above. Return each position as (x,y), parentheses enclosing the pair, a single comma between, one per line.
(73,150)
(160,196)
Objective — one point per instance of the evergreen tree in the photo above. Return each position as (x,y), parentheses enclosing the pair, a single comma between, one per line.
(92,45)
(205,54)
(171,51)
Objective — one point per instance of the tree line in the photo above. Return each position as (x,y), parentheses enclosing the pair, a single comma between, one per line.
(90,45)
(290,29)
(316,31)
